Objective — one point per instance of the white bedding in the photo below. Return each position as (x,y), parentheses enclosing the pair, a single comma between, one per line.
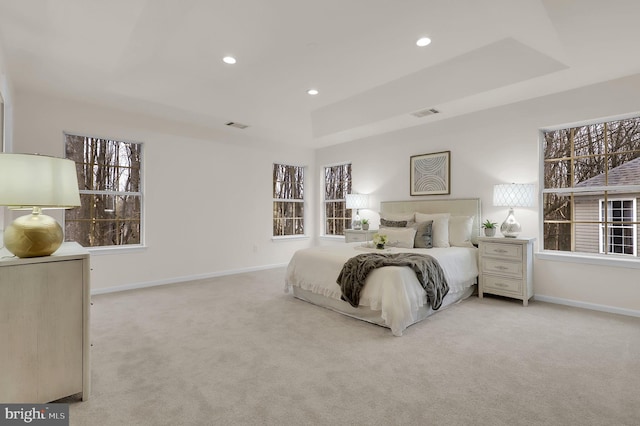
(394,291)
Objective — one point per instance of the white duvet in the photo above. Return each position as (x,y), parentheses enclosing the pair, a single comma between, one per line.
(393,290)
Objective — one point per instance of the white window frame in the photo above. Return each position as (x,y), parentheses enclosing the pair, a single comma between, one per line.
(625,261)
(303,202)
(116,249)
(611,225)
(325,201)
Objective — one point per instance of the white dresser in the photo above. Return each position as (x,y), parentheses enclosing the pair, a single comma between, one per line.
(358,235)
(506,267)
(44,326)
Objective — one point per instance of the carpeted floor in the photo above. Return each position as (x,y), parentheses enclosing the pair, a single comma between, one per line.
(237,350)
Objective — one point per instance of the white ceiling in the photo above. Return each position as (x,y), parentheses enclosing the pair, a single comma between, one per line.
(163,58)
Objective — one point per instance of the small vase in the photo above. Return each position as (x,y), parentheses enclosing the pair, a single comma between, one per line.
(365,226)
(489,232)
(380,246)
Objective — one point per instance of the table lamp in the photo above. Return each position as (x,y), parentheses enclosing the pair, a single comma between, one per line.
(357,201)
(35,182)
(512,195)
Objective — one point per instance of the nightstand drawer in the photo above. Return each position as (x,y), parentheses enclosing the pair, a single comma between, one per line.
(357,238)
(503,284)
(504,251)
(358,235)
(497,266)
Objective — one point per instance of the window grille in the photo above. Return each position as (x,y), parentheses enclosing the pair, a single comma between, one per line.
(110,183)
(337,184)
(288,200)
(591,181)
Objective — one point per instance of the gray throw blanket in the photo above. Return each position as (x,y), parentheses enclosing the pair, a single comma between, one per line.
(427,269)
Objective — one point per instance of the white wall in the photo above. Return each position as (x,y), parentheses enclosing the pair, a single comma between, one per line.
(6,91)
(7,98)
(208,199)
(200,222)
(497,146)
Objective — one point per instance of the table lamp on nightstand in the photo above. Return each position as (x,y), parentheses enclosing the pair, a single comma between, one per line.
(512,195)
(357,201)
(33,182)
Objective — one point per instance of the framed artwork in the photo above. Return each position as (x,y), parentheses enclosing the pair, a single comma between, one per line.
(431,173)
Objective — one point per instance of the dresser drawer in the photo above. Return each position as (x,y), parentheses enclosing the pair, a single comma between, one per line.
(503,251)
(491,282)
(497,266)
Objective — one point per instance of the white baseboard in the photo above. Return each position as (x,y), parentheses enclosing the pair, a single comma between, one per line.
(585,305)
(188,278)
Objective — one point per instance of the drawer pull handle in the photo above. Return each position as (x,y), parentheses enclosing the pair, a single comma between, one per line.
(500,251)
(502,268)
(501,284)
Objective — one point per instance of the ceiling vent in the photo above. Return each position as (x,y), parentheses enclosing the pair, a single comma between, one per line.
(237,125)
(425,112)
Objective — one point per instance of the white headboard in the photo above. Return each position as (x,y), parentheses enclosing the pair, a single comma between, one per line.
(455,206)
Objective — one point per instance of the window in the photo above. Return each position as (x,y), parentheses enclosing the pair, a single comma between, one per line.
(288,200)
(337,183)
(109,178)
(620,235)
(591,186)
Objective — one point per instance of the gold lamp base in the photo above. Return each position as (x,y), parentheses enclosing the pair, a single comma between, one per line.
(33,235)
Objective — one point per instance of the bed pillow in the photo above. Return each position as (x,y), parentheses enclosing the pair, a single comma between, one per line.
(440,227)
(399,237)
(424,237)
(409,217)
(393,223)
(460,228)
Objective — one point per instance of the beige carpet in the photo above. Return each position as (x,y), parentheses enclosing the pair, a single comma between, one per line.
(237,350)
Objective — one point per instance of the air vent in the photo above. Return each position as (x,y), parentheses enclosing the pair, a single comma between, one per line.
(237,125)
(425,112)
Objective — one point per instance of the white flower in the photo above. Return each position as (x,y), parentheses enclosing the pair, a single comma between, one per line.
(379,239)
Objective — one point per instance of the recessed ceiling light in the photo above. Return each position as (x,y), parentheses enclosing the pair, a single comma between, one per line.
(313,92)
(423,41)
(229,60)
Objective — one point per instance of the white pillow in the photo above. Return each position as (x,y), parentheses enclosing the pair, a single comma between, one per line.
(399,237)
(460,228)
(440,228)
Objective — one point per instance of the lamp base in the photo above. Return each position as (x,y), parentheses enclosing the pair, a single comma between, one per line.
(356,224)
(510,228)
(33,235)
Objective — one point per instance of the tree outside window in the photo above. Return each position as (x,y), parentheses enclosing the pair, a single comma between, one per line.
(109,179)
(337,184)
(591,177)
(288,200)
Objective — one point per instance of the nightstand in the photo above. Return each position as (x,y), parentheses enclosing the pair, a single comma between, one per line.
(358,235)
(506,267)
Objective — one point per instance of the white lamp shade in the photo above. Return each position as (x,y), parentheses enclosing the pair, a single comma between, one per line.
(37,181)
(513,195)
(357,201)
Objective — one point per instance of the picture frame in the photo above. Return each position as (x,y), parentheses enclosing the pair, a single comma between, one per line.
(430,173)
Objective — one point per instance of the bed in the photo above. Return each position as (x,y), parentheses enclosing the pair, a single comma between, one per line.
(392,296)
